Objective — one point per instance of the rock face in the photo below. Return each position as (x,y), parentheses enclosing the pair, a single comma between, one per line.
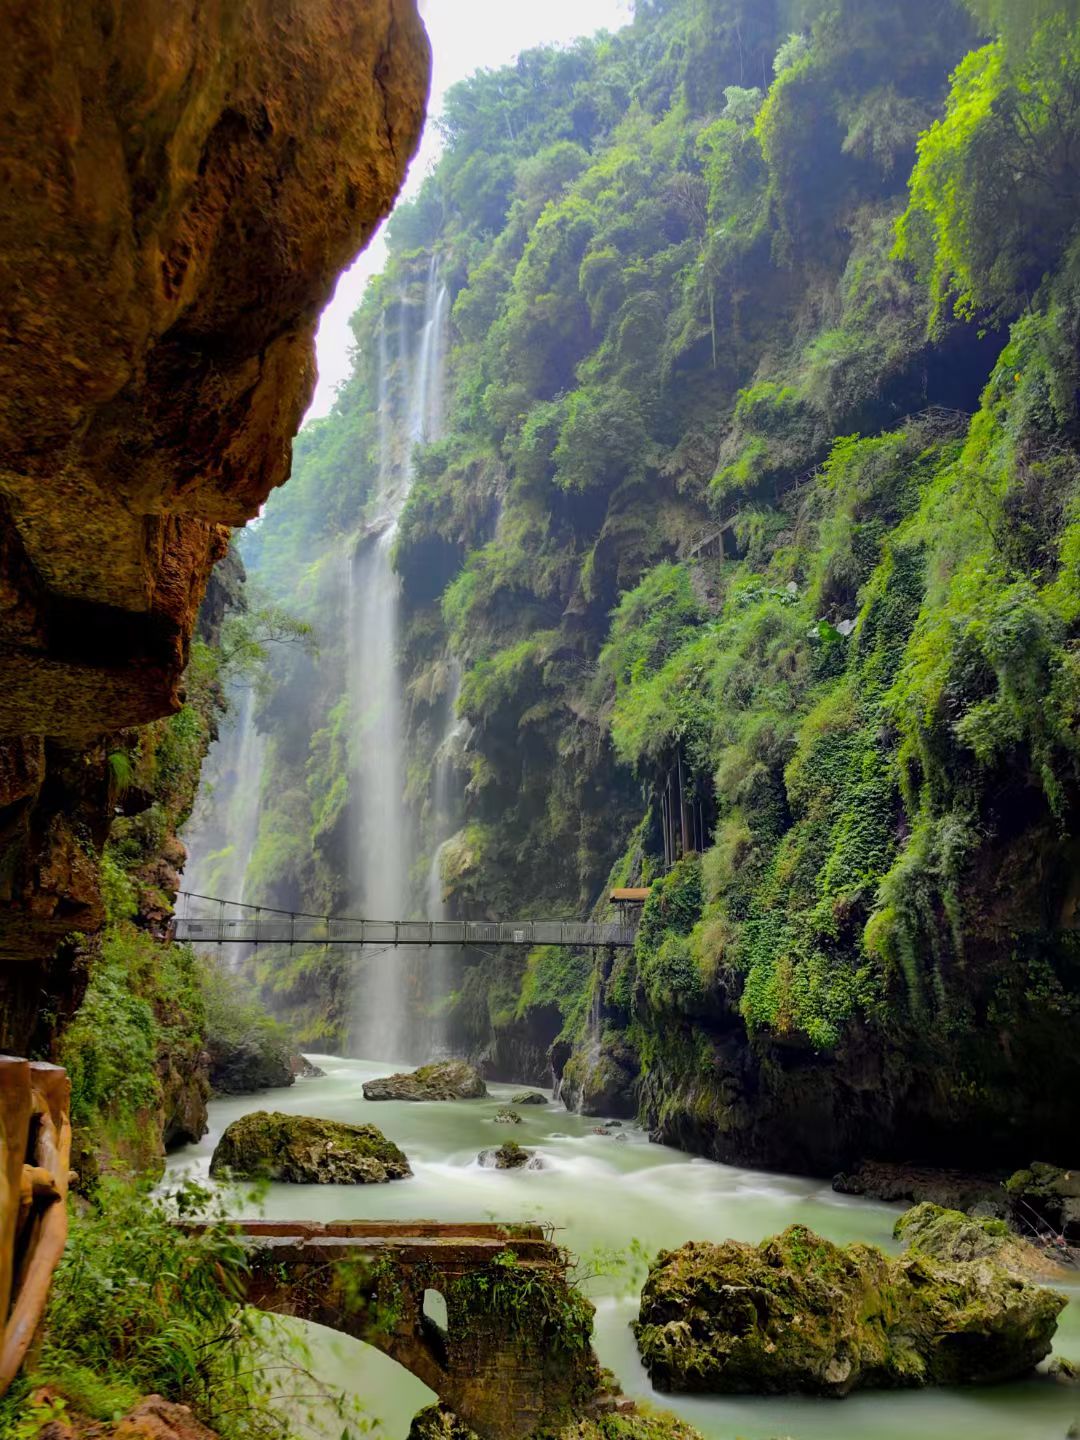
(797,1313)
(307,1151)
(444,1080)
(604,1082)
(182,184)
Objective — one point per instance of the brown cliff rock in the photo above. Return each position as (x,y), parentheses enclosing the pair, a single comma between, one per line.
(183,184)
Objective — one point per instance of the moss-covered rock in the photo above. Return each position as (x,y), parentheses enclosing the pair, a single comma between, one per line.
(507,1117)
(529,1097)
(798,1313)
(949,1235)
(443,1080)
(510,1156)
(307,1151)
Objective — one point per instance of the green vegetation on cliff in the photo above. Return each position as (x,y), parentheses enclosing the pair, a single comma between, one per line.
(753,532)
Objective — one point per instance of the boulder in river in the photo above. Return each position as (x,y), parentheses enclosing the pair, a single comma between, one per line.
(305,1150)
(799,1314)
(506,1116)
(442,1080)
(529,1097)
(510,1156)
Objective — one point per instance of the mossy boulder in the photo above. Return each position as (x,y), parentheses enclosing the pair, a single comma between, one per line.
(506,1116)
(443,1080)
(510,1156)
(949,1235)
(304,1150)
(799,1314)
(529,1097)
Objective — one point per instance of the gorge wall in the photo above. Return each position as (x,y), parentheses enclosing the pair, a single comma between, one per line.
(748,560)
(183,185)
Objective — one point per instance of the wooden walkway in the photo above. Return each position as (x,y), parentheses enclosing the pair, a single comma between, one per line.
(206,920)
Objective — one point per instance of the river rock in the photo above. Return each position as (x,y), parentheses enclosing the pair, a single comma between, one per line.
(507,1117)
(303,1069)
(949,1235)
(529,1097)
(242,1067)
(443,1080)
(799,1314)
(1047,1194)
(305,1150)
(510,1156)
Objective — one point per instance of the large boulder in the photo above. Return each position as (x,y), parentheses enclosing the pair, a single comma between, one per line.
(443,1080)
(307,1151)
(797,1313)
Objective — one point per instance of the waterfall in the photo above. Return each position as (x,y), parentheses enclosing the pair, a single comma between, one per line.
(221,834)
(384,847)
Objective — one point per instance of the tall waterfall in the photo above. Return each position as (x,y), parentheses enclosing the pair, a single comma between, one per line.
(384,847)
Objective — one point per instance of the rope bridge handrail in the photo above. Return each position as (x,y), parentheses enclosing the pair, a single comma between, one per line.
(262,925)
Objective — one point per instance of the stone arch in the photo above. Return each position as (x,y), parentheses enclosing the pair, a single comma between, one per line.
(514,1355)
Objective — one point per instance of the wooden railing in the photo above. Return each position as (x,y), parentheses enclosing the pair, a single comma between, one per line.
(35,1154)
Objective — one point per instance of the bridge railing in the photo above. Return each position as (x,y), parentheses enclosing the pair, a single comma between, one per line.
(212,925)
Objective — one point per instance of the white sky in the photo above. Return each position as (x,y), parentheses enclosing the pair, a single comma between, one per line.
(466,35)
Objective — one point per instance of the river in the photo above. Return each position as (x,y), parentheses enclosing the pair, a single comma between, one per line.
(604,1192)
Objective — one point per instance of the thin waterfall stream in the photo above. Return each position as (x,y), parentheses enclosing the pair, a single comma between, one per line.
(384,844)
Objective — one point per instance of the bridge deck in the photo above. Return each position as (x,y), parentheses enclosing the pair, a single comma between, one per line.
(278,927)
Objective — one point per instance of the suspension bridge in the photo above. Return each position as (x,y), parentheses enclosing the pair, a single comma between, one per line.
(207,920)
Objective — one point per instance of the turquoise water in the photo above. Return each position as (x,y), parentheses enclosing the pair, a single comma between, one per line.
(603,1193)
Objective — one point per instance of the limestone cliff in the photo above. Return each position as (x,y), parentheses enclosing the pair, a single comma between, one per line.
(183,184)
